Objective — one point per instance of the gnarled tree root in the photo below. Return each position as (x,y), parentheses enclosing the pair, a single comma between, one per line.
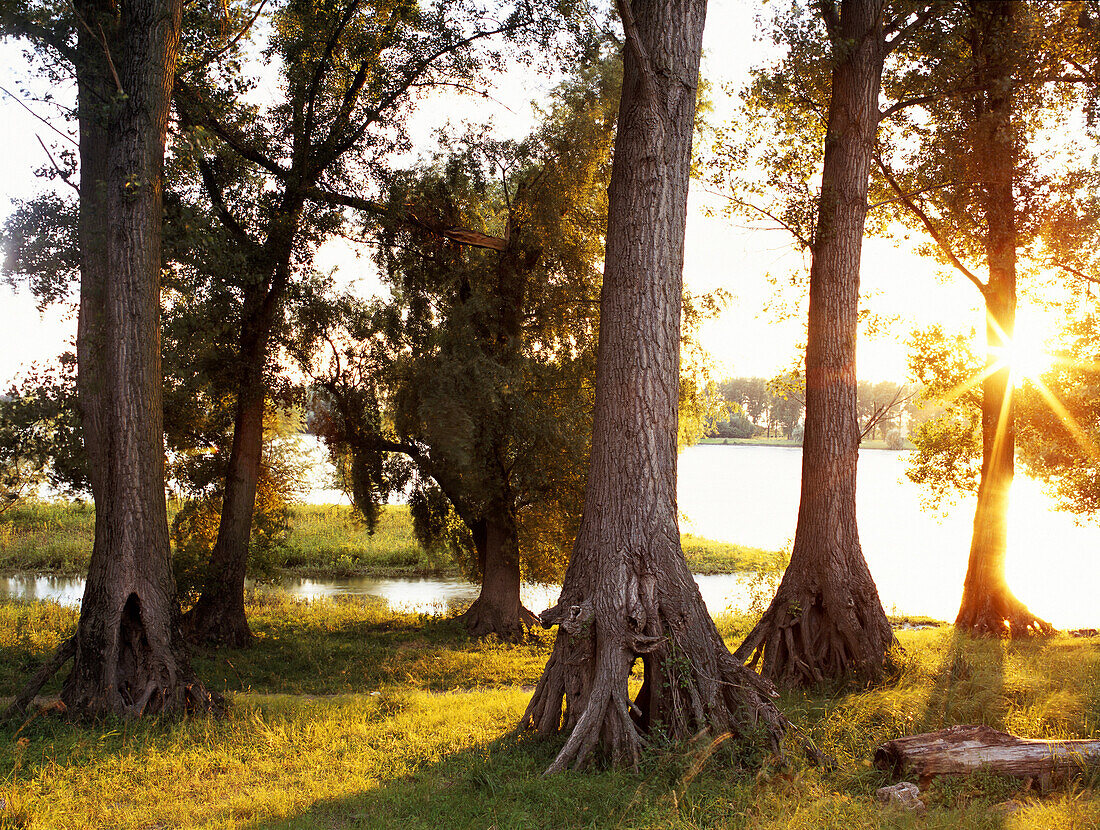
(805,639)
(998,613)
(483,619)
(691,685)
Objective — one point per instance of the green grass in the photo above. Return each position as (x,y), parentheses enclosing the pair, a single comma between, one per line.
(706,556)
(351,716)
(54,537)
(329,540)
(326,541)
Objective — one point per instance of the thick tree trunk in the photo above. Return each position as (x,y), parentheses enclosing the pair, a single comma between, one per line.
(988,606)
(628,593)
(826,621)
(498,609)
(129,658)
(961,750)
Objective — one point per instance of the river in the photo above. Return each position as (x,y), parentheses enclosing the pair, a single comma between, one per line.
(749,495)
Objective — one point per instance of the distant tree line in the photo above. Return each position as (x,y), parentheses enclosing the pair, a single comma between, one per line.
(775,408)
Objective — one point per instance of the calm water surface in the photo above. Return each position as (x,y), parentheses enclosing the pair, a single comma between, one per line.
(749,495)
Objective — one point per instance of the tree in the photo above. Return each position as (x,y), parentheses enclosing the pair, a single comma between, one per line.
(128,656)
(278,180)
(826,620)
(628,593)
(983,81)
(40,435)
(479,370)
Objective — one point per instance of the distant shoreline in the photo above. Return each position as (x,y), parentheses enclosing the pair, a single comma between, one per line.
(789,444)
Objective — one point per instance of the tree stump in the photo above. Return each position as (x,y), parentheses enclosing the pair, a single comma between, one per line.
(961,750)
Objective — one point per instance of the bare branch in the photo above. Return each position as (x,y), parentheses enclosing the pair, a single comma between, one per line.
(64,176)
(929,226)
(19,101)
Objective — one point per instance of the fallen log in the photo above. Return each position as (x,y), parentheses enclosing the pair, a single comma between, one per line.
(960,750)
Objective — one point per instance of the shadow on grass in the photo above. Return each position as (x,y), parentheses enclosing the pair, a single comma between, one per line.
(969,685)
(340,648)
(501,785)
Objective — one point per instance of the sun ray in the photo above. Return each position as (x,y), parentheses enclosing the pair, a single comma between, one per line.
(1087,445)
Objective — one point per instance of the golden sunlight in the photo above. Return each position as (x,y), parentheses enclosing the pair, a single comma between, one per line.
(1027,353)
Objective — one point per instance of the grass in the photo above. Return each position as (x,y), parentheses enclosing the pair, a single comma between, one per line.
(344,715)
(326,541)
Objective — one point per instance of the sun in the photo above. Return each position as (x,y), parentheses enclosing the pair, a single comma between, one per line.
(1027,353)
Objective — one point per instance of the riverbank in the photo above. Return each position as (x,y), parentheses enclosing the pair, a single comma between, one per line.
(325,542)
(344,715)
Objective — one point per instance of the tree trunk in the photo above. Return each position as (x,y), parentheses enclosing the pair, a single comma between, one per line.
(628,593)
(988,606)
(826,621)
(218,618)
(961,750)
(129,658)
(498,609)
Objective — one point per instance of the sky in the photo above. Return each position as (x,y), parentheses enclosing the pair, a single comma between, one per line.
(747,339)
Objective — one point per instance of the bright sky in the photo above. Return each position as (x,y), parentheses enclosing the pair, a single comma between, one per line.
(745,340)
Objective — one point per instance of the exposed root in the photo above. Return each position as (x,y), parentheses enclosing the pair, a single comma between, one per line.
(484,618)
(60,657)
(691,684)
(998,613)
(805,639)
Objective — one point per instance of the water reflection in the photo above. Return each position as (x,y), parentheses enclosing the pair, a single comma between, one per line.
(749,495)
(425,595)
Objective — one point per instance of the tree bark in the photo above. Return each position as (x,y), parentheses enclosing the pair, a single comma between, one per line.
(826,621)
(988,605)
(628,593)
(961,750)
(498,609)
(129,657)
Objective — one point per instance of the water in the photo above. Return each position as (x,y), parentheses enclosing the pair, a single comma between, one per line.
(749,495)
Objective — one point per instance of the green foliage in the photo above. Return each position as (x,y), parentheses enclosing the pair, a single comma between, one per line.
(1059,420)
(948,455)
(195,526)
(479,372)
(40,439)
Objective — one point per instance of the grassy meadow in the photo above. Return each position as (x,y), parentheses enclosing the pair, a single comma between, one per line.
(346,715)
(325,541)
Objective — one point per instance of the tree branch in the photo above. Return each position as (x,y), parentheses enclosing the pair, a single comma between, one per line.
(64,176)
(210,57)
(221,209)
(190,103)
(463,236)
(906,31)
(637,49)
(19,101)
(929,226)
